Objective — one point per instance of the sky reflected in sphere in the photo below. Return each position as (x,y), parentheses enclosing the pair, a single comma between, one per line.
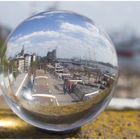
(58,70)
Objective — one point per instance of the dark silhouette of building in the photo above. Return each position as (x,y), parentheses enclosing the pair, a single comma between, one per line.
(51,56)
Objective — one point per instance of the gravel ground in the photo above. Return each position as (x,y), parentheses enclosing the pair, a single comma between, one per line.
(110,124)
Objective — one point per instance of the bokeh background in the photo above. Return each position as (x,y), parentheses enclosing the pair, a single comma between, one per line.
(119,19)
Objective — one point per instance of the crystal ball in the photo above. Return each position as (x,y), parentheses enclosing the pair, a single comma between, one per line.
(58,70)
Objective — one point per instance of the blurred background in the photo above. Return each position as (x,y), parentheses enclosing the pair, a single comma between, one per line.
(119,19)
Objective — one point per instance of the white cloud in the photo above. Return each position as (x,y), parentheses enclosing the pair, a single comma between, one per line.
(91,34)
(90,31)
(38,35)
(91,46)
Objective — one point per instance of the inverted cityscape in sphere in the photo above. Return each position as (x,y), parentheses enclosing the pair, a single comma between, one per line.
(58,70)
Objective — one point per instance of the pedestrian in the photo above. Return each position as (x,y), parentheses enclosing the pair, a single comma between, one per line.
(65,86)
(70,87)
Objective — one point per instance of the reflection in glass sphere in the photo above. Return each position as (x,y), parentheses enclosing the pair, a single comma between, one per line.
(58,70)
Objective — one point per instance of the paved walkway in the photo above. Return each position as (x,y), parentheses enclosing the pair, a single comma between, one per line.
(19,83)
(49,84)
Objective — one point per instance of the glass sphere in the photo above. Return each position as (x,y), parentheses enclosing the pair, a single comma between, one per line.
(58,70)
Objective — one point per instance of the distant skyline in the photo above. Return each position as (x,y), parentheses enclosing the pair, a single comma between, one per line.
(111,16)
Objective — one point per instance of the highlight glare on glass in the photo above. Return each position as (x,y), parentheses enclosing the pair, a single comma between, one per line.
(58,70)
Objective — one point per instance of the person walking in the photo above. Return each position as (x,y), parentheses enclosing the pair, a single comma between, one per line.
(65,86)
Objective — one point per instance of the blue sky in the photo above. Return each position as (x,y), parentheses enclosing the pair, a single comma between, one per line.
(50,22)
(71,34)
